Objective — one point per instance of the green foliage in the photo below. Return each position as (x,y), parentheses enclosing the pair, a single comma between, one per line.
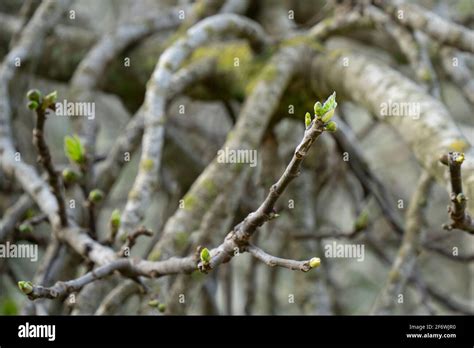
(205,256)
(153,303)
(318,109)
(32,105)
(327,116)
(35,100)
(50,100)
(69,176)
(74,149)
(96,196)
(115,219)
(156,304)
(331,126)
(315,262)
(307,119)
(326,111)
(26,287)
(34,95)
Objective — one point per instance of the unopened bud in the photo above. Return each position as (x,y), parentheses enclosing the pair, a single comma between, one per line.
(34,95)
(331,126)
(96,196)
(25,287)
(69,176)
(314,262)
(32,105)
(25,228)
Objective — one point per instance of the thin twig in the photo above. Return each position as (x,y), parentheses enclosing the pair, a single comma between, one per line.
(274,261)
(236,241)
(438,28)
(44,158)
(460,218)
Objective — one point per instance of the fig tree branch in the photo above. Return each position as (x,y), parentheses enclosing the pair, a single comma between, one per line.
(274,261)
(155,103)
(438,28)
(235,242)
(42,106)
(460,218)
(26,47)
(406,257)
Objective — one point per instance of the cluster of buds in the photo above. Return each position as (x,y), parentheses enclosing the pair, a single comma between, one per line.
(324,113)
(156,304)
(36,100)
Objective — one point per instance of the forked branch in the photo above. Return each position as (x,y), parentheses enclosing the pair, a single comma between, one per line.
(237,241)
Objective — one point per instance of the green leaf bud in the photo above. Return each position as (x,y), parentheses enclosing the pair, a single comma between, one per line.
(96,196)
(69,176)
(32,105)
(205,255)
(153,303)
(50,99)
(314,262)
(318,109)
(307,119)
(331,126)
(115,219)
(74,149)
(327,116)
(34,95)
(25,287)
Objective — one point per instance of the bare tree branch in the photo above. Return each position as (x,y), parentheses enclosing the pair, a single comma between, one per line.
(438,28)
(31,37)
(236,241)
(455,66)
(273,261)
(428,128)
(155,102)
(44,158)
(406,256)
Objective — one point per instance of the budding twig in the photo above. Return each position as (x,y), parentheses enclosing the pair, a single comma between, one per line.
(273,261)
(41,106)
(460,219)
(236,240)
